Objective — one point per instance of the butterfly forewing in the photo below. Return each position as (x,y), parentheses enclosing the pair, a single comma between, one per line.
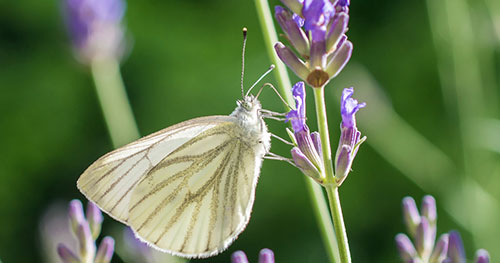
(109,181)
(198,199)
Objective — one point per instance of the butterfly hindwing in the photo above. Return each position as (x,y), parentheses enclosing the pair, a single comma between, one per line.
(198,199)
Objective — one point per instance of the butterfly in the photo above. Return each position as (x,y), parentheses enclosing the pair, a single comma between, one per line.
(188,189)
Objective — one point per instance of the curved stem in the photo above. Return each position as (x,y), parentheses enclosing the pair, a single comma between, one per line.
(316,195)
(330,186)
(114,102)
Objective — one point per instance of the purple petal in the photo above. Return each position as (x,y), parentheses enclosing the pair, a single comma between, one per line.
(349,107)
(298,116)
(317,14)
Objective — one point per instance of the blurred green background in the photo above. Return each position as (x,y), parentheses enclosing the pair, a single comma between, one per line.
(428,71)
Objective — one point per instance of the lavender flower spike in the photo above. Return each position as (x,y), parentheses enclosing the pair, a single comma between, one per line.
(96,28)
(86,232)
(350,137)
(306,153)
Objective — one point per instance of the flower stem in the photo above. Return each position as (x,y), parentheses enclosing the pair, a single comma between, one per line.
(315,192)
(114,102)
(330,186)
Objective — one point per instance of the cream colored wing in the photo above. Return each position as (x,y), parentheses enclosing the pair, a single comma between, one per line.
(110,180)
(197,200)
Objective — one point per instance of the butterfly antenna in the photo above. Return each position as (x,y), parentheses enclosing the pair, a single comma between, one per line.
(276,91)
(243,60)
(261,77)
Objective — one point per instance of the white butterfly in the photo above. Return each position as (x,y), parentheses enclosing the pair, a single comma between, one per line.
(188,189)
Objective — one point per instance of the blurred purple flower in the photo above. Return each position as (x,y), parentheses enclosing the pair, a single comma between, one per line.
(422,228)
(350,137)
(86,232)
(265,256)
(318,37)
(307,152)
(95,27)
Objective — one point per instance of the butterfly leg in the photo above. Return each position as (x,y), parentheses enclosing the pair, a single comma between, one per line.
(273,156)
(282,140)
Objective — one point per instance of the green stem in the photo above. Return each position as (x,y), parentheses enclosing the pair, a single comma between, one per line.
(316,195)
(114,102)
(330,186)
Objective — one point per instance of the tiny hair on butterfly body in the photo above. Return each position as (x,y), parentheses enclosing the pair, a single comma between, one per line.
(188,189)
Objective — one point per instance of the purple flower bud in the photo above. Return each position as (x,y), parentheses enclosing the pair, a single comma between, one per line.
(424,239)
(456,252)
(94,217)
(95,27)
(305,165)
(339,59)
(294,5)
(291,60)
(266,256)
(429,209)
(440,250)
(482,256)
(406,249)
(317,142)
(239,257)
(86,242)
(336,31)
(66,255)
(350,137)
(291,26)
(411,215)
(76,216)
(105,251)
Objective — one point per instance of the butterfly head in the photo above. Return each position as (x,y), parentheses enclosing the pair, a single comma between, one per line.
(249,103)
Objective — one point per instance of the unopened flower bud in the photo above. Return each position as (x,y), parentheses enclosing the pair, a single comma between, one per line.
(440,250)
(266,256)
(239,257)
(105,251)
(411,215)
(406,249)
(94,217)
(66,255)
